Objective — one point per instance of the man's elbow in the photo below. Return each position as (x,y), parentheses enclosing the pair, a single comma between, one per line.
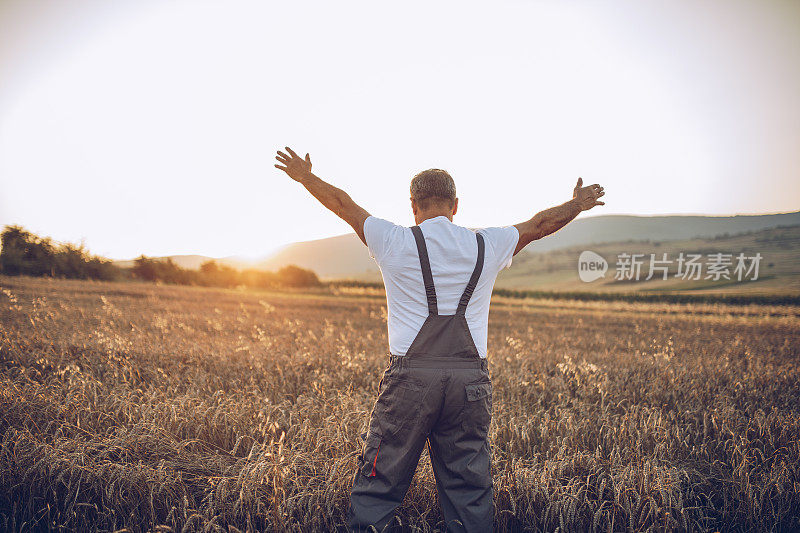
(340,207)
(525,238)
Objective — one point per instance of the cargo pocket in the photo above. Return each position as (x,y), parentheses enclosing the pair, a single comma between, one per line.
(369,457)
(478,407)
(398,404)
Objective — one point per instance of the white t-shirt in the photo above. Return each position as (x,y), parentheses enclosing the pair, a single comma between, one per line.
(452,251)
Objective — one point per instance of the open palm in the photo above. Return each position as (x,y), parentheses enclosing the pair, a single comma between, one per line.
(295,166)
(587,196)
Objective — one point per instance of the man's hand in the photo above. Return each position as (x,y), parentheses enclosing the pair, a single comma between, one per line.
(586,197)
(295,166)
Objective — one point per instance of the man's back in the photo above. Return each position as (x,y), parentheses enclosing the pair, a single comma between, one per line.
(452,252)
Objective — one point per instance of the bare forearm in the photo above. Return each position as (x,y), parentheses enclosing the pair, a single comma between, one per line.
(555,218)
(337,201)
(546,222)
(331,197)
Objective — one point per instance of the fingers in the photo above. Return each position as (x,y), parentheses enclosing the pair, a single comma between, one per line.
(599,203)
(287,160)
(596,190)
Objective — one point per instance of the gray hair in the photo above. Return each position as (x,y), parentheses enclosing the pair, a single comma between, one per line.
(433,186)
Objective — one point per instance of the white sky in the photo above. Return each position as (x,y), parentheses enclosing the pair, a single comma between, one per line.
(150,127)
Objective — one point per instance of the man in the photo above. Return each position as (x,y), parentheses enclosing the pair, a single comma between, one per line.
(436,388)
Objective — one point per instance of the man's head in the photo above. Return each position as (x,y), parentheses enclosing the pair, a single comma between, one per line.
(433,193)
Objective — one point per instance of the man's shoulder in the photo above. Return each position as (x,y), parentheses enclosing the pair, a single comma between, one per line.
(382,236)
(375,225)
(501,232)
(502,241)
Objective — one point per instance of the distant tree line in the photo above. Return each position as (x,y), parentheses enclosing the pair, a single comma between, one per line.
(24,253)
(213,274)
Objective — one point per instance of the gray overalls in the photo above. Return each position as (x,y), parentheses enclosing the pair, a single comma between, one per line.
(439,392)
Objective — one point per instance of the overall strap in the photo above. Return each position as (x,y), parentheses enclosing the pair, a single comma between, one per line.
(473,281)
(427,276)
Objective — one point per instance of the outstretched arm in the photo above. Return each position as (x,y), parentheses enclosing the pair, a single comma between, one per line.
(333,198)
(551,220)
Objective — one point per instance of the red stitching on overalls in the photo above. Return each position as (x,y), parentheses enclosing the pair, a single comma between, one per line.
(375,461)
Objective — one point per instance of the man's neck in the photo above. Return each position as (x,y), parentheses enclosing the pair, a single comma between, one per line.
(419,218)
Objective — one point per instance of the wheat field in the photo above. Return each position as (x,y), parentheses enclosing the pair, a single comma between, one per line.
(142,407)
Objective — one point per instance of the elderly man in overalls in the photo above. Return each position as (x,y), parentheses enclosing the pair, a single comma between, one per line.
(436,389)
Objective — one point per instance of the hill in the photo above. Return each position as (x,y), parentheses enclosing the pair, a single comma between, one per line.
(620,228)
(340,257)
(557,270)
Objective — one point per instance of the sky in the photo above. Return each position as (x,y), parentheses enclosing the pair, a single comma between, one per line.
(150,127)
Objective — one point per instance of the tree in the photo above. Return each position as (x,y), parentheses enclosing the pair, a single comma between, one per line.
(294,276)
(25,253)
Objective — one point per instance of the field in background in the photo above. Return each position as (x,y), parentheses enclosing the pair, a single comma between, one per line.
(133,405)
(557,270)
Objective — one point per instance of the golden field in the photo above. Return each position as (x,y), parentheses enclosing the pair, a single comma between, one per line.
(143,407)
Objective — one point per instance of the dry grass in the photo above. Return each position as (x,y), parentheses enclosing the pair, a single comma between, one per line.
(142,407)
